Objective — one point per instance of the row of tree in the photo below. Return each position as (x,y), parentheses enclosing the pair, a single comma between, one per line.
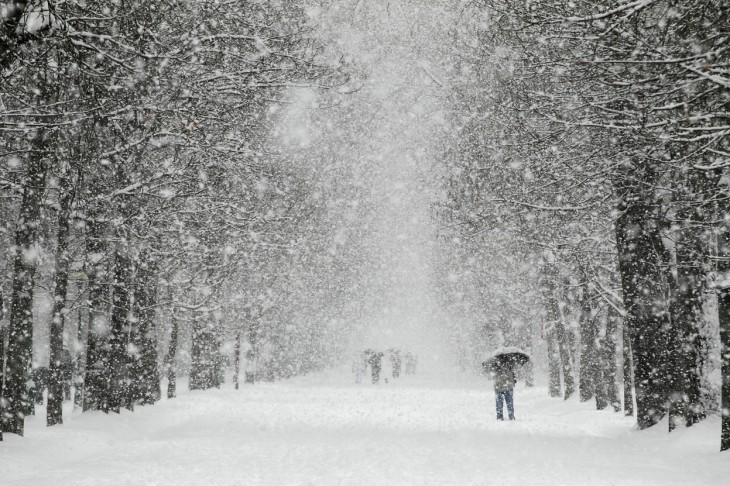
(592,147)
(141,194)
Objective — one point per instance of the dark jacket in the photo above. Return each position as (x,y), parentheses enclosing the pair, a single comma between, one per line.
(504,379)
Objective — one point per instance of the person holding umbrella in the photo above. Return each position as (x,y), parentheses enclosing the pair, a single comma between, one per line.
(500,366)
(504,385)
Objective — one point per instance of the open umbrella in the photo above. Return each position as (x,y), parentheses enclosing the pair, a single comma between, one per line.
(506,357)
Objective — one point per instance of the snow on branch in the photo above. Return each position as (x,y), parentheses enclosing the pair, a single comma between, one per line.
(629,9)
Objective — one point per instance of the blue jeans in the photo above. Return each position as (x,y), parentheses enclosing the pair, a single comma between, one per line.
(507,397)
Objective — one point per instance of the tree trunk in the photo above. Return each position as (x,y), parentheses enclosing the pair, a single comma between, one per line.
(587,385)
(54,412)
(202,366)
(237,360)
(690,343)
(628,365)
(600,385)
(96,380)
(80,370)
(565,357)
(641,256)
(218,377)
(551,295)
(723,307)
(119,337)
(553,364)
(2,352)
(170,358)
(686,340)
(197,360)
(608,359)
(15,401)
(529,374)
(144,370)
(134,386)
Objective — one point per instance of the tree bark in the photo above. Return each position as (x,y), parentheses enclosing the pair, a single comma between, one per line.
(144,370)
(723,307)
(197,358)
(237,361)
(565,357)
(170,358)
(686,351)
(54,412)
(628,361)
(218,377)
(551,293)
(2,352)
(79,364)
(724,314)
(15,401)
(203,355)
(529,374)
(553,364)
(608,359)
(120,329)
(96,380)
(587,386)
(641,256)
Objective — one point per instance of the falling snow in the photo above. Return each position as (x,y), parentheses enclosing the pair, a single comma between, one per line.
(277,242)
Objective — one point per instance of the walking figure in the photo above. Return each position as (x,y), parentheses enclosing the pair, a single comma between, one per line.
(411,360)
(374,360)
(500,366)
(395,361)
(504,384)
(360,366)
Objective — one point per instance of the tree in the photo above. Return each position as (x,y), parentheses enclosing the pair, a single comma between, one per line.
(556,317)
(157,120)
(15,400)
(61,275)
(608,78)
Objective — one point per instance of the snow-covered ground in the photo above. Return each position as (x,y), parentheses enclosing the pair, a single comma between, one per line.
(323,429)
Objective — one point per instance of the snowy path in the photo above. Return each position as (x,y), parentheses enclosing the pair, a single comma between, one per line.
(325,430)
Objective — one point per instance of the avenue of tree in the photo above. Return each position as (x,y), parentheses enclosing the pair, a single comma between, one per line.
(584,198)
(138,194)
(596,155)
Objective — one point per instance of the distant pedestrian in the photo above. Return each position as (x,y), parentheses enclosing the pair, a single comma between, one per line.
(411,362)
(375,361)
(360,366)
(395,361)
(249,365)
(504,384)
